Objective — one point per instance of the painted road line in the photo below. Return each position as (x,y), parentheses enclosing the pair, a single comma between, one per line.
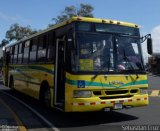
(16,118)
(154,93)
(34,111)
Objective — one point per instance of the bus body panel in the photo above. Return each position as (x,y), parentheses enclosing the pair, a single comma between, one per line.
(82,89)
(95,104)
(28,78)
(105,92)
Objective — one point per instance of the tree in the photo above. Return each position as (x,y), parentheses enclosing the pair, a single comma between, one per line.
(85,10)
(4,42)
(17,32)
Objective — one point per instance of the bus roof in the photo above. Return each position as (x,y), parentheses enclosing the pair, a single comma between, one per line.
(83,19)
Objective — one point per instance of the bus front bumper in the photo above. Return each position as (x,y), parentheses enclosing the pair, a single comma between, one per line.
(96,104)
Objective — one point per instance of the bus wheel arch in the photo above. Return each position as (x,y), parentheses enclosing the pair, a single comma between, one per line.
(45,94)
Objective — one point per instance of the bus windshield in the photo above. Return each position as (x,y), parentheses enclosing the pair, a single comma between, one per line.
(106,53)
(129,56)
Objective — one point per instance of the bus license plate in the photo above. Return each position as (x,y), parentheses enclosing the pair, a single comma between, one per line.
(118,106)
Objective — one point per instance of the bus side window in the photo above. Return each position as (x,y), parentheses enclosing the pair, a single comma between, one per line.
(51,47)
(11,54)
(20,54)
(15,54)
(26,52)
(33,50)
(43,41)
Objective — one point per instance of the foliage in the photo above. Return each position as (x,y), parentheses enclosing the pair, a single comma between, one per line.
(17,32)
(84,10)
(4,42)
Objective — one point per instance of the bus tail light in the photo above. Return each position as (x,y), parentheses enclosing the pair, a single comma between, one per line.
(82,94)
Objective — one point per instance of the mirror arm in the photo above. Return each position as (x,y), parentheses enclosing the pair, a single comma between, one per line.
(144,38)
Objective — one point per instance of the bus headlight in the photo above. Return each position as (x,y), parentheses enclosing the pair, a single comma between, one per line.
(82,94)
(143,91)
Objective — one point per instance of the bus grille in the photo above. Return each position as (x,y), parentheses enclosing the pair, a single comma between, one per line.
(115,97)
(116,92)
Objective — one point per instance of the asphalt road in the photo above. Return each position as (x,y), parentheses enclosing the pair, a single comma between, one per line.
(144,117)
(154,82)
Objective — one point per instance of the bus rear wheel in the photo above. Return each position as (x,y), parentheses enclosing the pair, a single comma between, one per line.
(11,83)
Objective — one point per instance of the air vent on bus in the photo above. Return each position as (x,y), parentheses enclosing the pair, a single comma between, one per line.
(117,92)
(97,93)
(115,97)
(134,91)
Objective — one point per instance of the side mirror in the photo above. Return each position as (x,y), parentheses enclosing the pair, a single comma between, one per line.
(149,46)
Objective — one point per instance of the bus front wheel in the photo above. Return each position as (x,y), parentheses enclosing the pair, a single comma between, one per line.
(45,95)
(47,98)
(11,83)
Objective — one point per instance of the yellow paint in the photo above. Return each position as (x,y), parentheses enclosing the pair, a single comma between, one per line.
(102,80)
(94,20)
(154,93)
(28,80)
(52,96)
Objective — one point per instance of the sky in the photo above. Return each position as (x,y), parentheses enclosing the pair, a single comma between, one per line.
(39,13)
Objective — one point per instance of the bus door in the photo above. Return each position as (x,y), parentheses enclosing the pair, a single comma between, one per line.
(59,92)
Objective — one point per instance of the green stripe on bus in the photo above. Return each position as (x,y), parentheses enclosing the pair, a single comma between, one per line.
(40,68)
(30,82)
(90,83)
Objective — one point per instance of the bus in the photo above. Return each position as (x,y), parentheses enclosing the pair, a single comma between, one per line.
(80,65)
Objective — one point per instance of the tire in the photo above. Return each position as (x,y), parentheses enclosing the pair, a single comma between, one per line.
(11,83)
(47,98)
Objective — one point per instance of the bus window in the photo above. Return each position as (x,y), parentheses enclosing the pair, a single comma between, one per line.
(33,50)
(20,53)
(15,54)
(26,51)
(95,53)
(42,48)
(8,49)
(12,53)
(51,51)
(82,26)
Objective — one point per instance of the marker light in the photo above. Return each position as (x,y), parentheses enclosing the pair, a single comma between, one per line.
(103,21)
(111,22)
(136,26)
(79,19)
(118,23)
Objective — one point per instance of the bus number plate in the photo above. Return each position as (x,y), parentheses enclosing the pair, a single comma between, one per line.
(118,106)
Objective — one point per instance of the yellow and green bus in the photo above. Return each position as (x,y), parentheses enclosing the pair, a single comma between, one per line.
(80,65)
